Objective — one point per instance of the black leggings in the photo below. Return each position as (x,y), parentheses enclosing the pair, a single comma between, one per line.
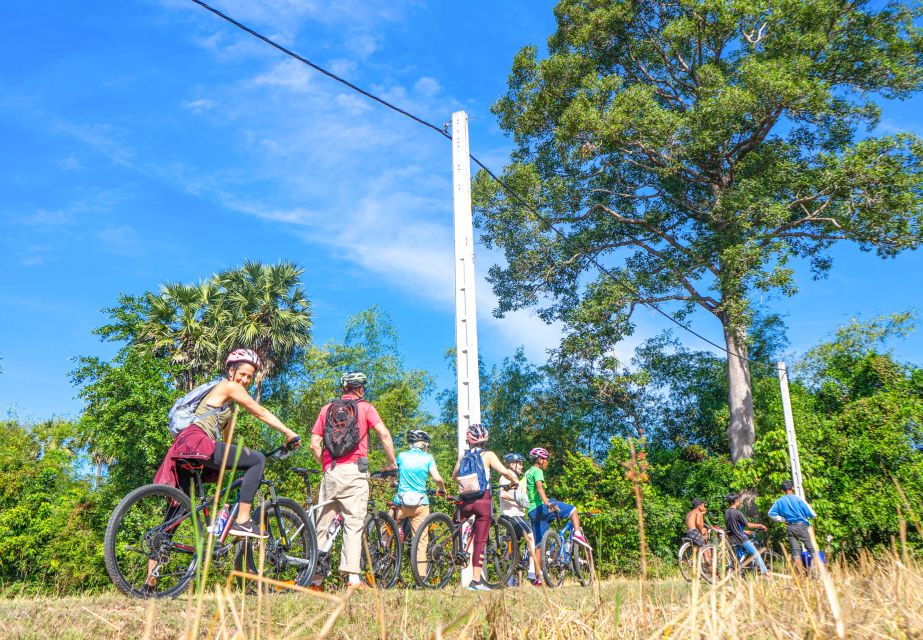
(251,461)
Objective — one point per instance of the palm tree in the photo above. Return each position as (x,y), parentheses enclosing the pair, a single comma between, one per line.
(264,308)
(176,324)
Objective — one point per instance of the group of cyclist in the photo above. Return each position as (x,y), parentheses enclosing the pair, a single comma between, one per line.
(345,485)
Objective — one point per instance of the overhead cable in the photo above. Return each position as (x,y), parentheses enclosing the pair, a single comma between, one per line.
(506,187)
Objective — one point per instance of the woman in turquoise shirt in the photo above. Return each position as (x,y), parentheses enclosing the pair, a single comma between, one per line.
(414,467)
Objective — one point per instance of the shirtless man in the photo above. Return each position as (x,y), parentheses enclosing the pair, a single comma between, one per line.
(696,531)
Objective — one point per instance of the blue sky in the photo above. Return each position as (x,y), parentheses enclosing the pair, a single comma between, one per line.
(149,141)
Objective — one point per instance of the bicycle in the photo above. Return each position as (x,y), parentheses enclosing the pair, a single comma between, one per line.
(775,562)
(560,554)
(380,542)
(153,545)
(687,556)
(450,544)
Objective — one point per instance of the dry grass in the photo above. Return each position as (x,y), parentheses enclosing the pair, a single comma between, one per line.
(876,599)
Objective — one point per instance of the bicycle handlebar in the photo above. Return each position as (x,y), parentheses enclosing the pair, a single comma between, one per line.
(284,451)
(382,475)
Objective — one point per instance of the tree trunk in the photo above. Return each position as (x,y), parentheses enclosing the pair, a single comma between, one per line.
(741,430)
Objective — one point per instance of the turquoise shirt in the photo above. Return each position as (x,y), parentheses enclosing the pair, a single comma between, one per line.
(413,468)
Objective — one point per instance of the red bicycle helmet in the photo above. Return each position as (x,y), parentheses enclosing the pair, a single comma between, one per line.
(539,452)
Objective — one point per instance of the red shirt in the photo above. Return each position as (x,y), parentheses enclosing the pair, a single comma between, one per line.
(368,418)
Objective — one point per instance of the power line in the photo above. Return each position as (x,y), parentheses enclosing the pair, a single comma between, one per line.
(512,192)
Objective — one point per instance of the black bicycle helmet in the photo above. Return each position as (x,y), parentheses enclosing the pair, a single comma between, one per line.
(513,457)
(417,435)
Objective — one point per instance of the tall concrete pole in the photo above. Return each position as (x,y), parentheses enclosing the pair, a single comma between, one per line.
(466,329)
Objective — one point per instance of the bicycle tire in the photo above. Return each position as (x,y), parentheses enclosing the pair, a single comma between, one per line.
(441,551)
(383,541)
(522,556)
(118,532)
(501,554)
(582,564)
(685,559)
(299,541)
(554,567)
(723,561)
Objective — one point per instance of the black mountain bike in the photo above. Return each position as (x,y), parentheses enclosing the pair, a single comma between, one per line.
(381,544)
(156,539)
(449,545)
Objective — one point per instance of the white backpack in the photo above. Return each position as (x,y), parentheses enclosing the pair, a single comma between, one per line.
(182,414)
(522,495)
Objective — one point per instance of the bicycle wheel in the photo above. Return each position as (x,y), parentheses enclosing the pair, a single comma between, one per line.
(150,545)
(554,559)
(290,551)
(380,536)
(501,554)
(433,552)
(582,563)
(523,557)
(686,559)
(717,561)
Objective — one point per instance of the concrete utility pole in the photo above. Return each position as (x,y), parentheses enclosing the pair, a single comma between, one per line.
(790,430)
(466,328)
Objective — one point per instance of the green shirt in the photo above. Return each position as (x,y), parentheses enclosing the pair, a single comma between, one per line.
(533,475)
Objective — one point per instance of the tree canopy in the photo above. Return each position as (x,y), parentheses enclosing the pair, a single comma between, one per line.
(695,149)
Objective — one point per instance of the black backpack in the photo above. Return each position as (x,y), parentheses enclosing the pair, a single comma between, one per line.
(341,429)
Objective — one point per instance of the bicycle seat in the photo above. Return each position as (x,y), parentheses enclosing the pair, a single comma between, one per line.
(189,465)
(305,473)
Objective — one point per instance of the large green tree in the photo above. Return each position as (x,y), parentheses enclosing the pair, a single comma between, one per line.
(695,148)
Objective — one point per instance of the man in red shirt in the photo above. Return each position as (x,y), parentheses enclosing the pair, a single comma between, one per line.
(346,479)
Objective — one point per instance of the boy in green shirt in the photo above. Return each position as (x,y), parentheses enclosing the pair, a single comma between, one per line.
(542,509)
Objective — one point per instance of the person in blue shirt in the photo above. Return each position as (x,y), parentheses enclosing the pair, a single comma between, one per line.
(797,515)
(414,468)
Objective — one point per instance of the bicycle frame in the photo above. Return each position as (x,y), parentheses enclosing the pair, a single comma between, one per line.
(203,503)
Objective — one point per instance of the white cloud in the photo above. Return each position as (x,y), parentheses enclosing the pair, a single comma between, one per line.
(202,105)
(427,86)
(287,74)
(362,45)
(346,175)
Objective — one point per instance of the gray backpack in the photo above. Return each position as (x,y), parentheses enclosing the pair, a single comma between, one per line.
(182,414)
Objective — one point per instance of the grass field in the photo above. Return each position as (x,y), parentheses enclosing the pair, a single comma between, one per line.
(873,599)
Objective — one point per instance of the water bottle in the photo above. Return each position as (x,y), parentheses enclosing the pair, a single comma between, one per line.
(332,529)
(466,533)
(220,520)
(335,525)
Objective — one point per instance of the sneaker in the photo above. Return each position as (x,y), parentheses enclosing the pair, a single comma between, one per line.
(478,586)
(579,539)
(246,530)
(537,582)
